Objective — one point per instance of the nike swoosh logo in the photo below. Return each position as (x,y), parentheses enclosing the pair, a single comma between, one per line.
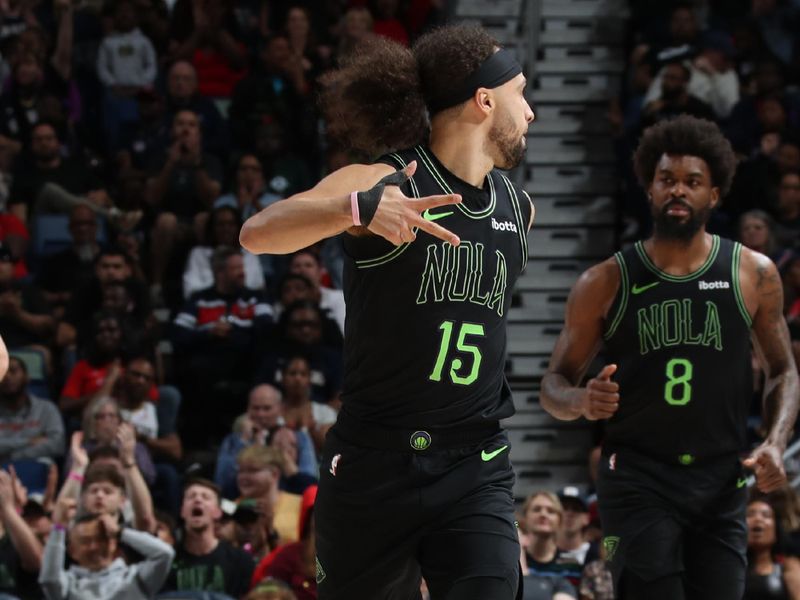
(637,289)
(741,482)
(435,217)
(487,456)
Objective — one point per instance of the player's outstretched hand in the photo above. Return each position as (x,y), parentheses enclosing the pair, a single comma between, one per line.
(397,214)
(767,464)
(601,395)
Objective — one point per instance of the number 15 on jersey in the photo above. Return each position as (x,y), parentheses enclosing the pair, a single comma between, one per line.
(458,372)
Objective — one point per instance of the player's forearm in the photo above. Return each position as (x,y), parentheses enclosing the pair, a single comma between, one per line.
(3,358)
(781,399)
(560,398)
(294,223)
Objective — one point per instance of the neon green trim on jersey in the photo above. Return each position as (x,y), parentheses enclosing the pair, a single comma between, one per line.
(737,286)
(712,256)
(395,252)
(623,303)
(472,214)
(522,228)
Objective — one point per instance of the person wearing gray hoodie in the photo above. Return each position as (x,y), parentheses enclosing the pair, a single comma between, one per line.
(97,574)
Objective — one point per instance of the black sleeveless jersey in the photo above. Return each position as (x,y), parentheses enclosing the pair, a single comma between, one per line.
(425,333)
(682,346)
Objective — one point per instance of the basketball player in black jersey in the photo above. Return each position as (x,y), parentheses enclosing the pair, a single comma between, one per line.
(415,476)
(676,313)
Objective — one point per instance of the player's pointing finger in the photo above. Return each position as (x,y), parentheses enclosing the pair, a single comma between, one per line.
(437,231)
(429,202)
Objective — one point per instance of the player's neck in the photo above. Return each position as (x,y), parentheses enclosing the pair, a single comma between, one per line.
(461,149)
(679,257)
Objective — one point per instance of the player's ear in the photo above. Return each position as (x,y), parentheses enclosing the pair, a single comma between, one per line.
(714,197)
(485,99)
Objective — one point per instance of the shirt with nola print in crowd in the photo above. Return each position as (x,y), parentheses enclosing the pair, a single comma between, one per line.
(225,569)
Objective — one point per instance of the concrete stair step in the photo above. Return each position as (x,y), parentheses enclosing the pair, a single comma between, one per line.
(550,150)
(568,121)
(532,339)
(574,242)
(538,306)
(600,210)
(605,30)
(489,8)
(554,274)
(580,66)
(571,180)
(584,8)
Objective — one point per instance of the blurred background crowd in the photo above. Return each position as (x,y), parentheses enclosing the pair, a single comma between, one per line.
(168,395)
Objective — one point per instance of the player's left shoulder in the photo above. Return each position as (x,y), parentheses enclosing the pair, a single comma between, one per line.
(521,196)
(530,204)
(758,271)
(761,284)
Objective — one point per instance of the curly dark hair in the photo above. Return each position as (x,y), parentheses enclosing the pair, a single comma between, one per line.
(377,101)
(447,56)
(373,103)
(686,136)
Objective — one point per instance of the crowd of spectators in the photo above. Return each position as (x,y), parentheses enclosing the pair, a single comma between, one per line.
(168,392)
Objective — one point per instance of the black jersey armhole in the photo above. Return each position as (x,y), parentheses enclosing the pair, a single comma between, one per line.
(620,304)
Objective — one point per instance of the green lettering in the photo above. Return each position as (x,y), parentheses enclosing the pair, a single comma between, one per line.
(477,277)
(459,274)
(670,329)
(689,337)
(498,293)
(712,334)
(435,273)
(648,326)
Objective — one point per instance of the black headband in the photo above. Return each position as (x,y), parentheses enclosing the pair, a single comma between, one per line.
(496,70)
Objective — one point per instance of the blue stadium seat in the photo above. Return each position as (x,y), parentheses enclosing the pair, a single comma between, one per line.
(51,233)
(38,384)
(32,472)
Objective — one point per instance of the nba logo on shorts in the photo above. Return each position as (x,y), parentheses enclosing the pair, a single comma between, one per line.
(334,464)
(612,462)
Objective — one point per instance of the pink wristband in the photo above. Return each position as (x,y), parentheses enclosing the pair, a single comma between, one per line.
(75,476)
(354,208)
(59,527)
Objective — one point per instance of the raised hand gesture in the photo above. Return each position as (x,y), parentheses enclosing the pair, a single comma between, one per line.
(601,395)
(80,459)
(64,511)
(397,215)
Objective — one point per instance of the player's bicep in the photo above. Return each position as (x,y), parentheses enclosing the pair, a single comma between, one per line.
(770,331)
(582,334)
